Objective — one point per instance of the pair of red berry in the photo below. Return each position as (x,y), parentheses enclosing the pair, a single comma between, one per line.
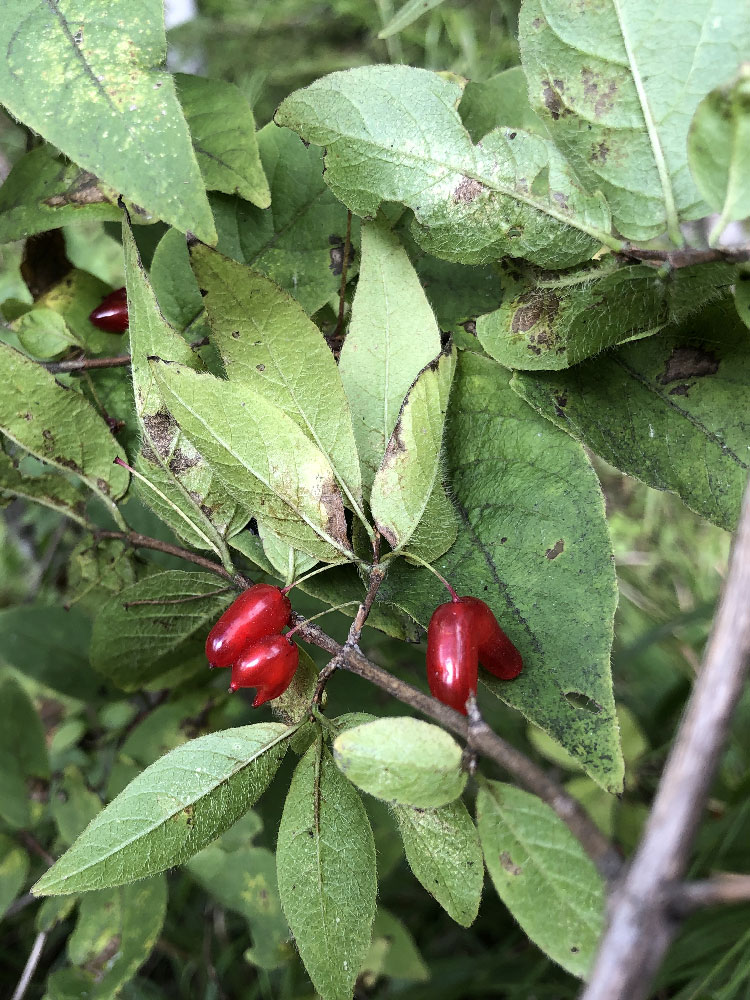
(461,635)
(111,315)
(248,639)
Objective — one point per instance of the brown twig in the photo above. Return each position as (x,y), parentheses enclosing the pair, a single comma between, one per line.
(85,364)
(641,922)
(139,541)
(30,842)
(485,741)
(724,888)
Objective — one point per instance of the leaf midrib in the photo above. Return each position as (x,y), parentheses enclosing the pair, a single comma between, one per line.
(155,826)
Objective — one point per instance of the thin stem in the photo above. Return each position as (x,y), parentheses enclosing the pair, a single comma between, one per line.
(30,842)
(144,542)
(411,557)
(85,364)
(376,578)
(299,625)
(30,967)
(724,888)
(170,503)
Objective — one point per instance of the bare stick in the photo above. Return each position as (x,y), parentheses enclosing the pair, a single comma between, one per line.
(86,364)
(724,888)
(30,967)
(641,923)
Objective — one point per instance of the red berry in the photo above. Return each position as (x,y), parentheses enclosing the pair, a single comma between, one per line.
(268,665)
(111,315)
(496,652)
(452,654)
(257,612)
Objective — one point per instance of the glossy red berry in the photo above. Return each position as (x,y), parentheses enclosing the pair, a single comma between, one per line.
(111,315)
(257,612)
(267,665)
(497,654)
(452,656)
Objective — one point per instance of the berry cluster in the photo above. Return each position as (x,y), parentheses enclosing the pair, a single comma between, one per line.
(461,635)
(248,639)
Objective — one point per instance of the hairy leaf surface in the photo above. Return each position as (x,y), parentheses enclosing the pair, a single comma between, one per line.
(171,810)
(542,875)
(392,133)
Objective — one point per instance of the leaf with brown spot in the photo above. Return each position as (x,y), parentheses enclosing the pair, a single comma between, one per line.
(598,81)
(392,133)
(117,115)
(691,437)
(263,458)
(551,320)
(32,401)
(168,459)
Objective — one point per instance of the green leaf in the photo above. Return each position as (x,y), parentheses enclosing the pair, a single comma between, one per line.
(118,115)
(392,336)
(174,808)
(175,287)
(326,869)
(551,321)
(169,461)
(54,491)
(407,14)
(57,425)
(138,628)
(501,101)
(269,345)
(401,958)
(443,850)
(299,241)
(44,191)
(53,911)
(71,300)
(403,761)
(597,77)
(223,130)
(23,753)
(244,880)
(286,561)
(262,456)
(533,544)
(50,645)
(73,805)
(97,569)
(392,133)
(409,474)
(671,411)
(43,333)
(541,874)
(719,147)
(115,933)
(14,869)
